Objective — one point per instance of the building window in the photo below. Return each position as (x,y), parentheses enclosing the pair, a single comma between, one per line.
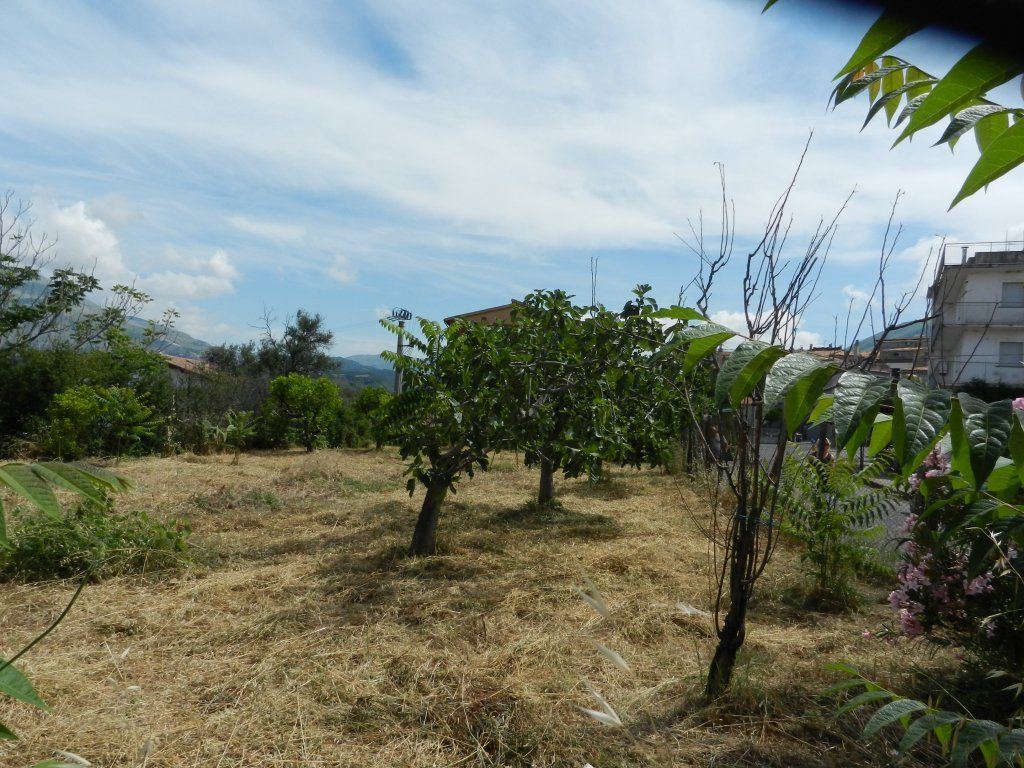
(1011,353)
(1013,295)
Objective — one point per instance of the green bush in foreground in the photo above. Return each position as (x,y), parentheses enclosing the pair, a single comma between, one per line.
(91,541)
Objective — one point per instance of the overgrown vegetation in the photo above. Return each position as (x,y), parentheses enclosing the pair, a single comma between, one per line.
(91,541)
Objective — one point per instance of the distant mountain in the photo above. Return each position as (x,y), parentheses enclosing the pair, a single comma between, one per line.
(912,331)
(177,343)
(356,375)
(370,361)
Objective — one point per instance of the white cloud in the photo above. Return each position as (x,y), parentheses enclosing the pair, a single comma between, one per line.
(856,297)
(737,321)
(342,270)
(84,241)
(206,277)
(270,230)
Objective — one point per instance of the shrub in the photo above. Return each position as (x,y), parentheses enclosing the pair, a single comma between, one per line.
(91,541)
(89,420)
(830,508)
(309,405)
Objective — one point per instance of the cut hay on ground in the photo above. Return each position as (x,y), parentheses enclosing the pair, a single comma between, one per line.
(306,638)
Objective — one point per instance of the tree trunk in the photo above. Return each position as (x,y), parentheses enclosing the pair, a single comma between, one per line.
(546,494)
(730,640)
(424,537)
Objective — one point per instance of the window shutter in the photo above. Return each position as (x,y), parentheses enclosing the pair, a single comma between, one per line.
(1013,295)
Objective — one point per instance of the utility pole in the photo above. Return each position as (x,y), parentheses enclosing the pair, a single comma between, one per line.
(399,315)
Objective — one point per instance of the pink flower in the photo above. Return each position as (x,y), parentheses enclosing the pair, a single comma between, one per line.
(867,634)
(1018,404)
(912,627)
(979,584)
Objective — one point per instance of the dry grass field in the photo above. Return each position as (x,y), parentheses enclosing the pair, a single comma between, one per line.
(304,637)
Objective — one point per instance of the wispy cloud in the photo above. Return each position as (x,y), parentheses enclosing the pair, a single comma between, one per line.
(458,154)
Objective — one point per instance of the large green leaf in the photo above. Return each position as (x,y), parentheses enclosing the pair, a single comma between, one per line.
(979,70)
(1011,746)
(15,684)
(919,417)
(700,341)
(911,89)
(884,76)
(881,434)
(1017,446)
(857,399)
(890,713)
(991,128)
(678,313)
(967,119)
(798,378)
(925,725)
(980,433)
(744,369)
(23,481)
(890,83)
(1004,154)
(970,736)
(886,32)
(70,478)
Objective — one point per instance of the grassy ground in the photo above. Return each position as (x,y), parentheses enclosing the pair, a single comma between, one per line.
(306,637)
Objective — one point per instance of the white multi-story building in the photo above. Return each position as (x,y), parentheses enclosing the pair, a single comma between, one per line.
(976,311)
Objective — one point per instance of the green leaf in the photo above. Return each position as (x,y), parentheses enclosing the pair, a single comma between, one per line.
(1004,154)
(979,70)
(16,685)
(822,410)
(802,398)
(911,107)
(7,734)
(786,373)
(1004,479)
(1017,446)
(881,434)
(892,82)
(861,699)
(969,738)
(1011,745)
(69,478)
(886,32)
(857,399)
(744,369)
(890,713)
(991,128)
(848,88)
(980,432)
(966,119)
(685,314)
(23,481)
(911,89)
(919,417)
(925,725)
(701,341)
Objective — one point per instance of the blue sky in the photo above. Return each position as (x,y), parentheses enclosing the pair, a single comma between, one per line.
(344,158)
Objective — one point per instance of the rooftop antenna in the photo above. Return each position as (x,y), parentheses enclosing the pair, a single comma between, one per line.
(399,315)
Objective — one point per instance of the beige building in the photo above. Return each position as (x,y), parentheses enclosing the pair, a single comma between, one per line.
(500,314)
(976,306)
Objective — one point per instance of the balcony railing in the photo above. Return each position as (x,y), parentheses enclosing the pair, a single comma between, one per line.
(985,313)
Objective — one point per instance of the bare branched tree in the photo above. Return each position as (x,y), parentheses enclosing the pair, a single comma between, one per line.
(777,291)
(42,304)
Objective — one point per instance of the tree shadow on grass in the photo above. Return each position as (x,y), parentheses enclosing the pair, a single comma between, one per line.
(557,518)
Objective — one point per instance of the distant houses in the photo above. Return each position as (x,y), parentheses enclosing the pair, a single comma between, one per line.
(183,369)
